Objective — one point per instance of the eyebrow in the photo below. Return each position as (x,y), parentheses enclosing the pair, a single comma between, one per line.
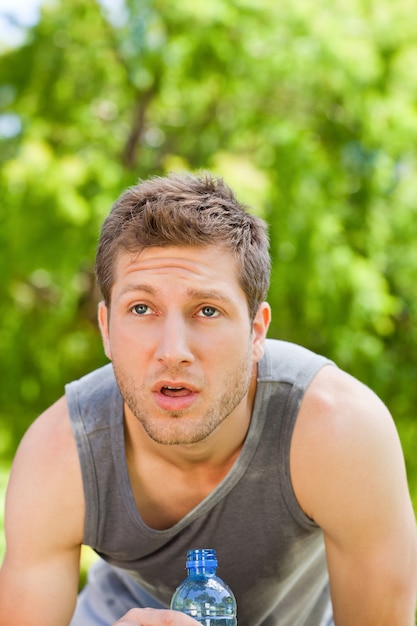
(208,294)
(133,287)
(199,294)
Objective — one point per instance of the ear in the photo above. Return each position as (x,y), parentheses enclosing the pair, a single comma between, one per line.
(260,328)
(103,322)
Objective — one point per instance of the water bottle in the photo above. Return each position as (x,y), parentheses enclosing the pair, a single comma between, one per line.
(203,595)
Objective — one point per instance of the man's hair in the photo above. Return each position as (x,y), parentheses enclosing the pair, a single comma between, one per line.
(186,210)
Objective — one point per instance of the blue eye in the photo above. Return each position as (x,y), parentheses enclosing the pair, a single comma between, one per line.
(141,309)
(209,311)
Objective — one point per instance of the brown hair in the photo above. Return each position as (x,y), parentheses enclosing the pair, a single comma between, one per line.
(186,210)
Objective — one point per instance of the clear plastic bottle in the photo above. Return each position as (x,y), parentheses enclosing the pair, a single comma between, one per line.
(203,595)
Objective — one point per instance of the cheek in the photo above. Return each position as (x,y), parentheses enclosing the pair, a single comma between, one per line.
(131,347)
(239,352)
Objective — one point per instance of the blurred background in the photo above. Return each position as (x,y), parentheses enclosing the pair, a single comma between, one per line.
(307,108)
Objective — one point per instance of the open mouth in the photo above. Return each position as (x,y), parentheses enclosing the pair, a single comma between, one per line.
(175,392)
(175,397)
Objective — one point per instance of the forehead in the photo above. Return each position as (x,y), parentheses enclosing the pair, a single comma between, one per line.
(213,264)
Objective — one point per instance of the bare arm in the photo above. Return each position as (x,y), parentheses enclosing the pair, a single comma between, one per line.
(349,476)
(43,522)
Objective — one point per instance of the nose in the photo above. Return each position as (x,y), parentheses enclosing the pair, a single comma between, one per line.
(173,347)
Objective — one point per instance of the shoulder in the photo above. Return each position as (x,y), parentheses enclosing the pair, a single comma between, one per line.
(338,408)
(100,380)
(288,362)
(50,431)
(46,479)
(344,442)
(90,398)
(338,399)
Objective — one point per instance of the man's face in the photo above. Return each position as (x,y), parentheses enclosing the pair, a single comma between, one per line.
(181,341)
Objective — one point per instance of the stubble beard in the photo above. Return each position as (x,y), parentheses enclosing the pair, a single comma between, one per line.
(181,430)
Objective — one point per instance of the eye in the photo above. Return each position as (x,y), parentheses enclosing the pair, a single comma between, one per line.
(141,309)
(208,311)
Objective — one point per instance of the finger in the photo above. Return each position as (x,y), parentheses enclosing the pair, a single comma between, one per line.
(155,617)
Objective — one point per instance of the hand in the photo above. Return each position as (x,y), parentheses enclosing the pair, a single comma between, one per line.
(155,617)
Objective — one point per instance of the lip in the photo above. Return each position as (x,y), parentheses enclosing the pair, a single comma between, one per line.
(172,403)
(172,382)
(175,403)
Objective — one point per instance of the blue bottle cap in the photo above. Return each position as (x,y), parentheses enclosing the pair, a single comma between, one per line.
(204,557)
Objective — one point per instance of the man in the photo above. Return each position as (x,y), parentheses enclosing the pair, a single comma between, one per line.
(203,433)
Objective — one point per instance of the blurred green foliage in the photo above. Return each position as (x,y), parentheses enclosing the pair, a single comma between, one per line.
(307,109)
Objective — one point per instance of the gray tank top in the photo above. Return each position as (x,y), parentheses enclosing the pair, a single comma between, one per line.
(270,553)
